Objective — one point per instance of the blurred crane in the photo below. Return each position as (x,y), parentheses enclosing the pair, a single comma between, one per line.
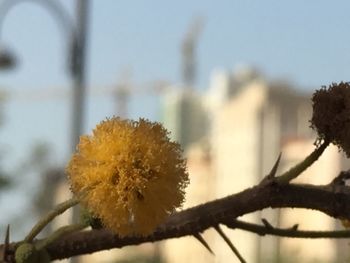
(121,92)
(124,89)
(188,50)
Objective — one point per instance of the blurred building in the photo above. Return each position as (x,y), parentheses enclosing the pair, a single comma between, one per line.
(248,121)
(232,136)
(326,168)
(184,115)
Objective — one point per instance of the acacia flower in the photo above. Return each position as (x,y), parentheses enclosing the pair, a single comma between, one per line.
(135,175)
(331,114)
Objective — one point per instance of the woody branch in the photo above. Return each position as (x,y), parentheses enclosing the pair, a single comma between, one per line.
(332,199)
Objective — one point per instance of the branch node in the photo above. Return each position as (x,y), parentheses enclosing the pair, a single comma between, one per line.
(295,171)
(341,178)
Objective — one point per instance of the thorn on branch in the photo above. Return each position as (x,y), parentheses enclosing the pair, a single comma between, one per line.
(267,224)
(272,173)
(294,227)
(199,237)
(6,245)
(230,244)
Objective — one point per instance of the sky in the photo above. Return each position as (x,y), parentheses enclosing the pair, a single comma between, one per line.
(305,42)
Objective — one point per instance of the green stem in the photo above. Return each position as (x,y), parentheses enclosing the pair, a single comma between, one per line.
(295,171)
(58,234)
(59,209)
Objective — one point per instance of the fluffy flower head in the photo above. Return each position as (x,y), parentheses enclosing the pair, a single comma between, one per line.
(134,174)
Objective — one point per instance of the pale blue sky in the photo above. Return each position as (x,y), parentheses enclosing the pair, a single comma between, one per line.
(306,42)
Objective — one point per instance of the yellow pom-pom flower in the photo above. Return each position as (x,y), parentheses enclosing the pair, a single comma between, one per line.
(134,174)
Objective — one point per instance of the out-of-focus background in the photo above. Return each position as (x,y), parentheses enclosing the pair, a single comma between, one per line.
(231,80)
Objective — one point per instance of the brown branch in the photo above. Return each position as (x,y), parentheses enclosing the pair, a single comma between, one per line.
(292,232)
(333,201)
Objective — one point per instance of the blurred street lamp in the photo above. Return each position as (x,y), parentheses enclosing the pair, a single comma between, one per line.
(76,39)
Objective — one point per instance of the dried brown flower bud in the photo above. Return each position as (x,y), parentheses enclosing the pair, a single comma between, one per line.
(331,114)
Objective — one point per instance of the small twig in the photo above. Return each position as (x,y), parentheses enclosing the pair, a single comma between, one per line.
(229,243)
(203,242)
(295,171)
(292,232)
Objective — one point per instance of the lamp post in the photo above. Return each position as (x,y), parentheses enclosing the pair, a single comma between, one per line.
(76,41)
